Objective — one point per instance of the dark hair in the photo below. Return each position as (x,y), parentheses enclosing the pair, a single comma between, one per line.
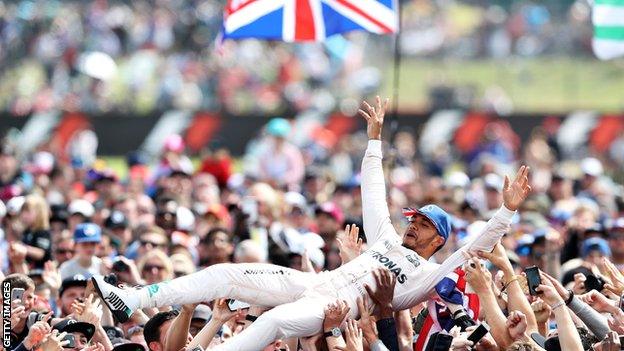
(213,232)
(20,281)
(151,331)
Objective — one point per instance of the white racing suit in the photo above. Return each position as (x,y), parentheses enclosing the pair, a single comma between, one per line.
(299,298)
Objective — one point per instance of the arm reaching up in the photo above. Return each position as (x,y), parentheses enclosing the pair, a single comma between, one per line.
(375,214)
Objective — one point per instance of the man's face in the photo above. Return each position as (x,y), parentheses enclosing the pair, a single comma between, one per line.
(160,344)
(28,299)
(219,246)
(594,257)
(616,242)
(86,250)
(420,234)
(64,251)
(80,340)
(69,296)
(327,225)
(151,241)
(154,271)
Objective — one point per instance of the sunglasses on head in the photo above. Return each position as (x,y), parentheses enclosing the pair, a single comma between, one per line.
(145,243)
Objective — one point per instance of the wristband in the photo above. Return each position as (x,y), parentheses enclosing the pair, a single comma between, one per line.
(557,305)
(250,318)
(515,278)
(569,299)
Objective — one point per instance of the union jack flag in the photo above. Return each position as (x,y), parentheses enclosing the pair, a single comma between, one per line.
(307,20)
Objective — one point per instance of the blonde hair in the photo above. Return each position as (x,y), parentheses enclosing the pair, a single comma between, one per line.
(42,213)
(157,254)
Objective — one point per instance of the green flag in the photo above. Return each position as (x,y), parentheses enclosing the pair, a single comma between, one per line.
(608,20)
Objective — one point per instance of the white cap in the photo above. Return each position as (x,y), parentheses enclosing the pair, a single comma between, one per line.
(42,161)
(82,207)
(493,181)
(457,180)
(472,231)
(592,166)
(185,220)
(295,199)
(14,205)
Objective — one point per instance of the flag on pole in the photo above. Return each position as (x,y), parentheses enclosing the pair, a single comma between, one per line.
(608,20)
(307,20)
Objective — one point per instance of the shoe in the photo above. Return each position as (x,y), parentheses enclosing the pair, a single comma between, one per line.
(122,303)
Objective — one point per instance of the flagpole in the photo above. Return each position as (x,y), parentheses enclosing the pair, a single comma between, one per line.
(394,118)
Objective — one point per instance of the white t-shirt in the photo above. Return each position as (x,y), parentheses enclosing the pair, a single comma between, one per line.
(70,268)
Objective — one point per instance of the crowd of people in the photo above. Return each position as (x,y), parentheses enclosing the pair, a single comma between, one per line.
(157,55)
(62,224)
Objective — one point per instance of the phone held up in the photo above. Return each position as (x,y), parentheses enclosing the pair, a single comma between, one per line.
(533,279)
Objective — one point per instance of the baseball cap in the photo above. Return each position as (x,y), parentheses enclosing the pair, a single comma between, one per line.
(202,312)
(278,127)
(81,207)
(332,210)
(592,166)
(73,326)
(76,280)
(493,181)
(116,220)
(42,163)
(121,344)
(113,332)
(175,143)
(595,244)
(440,219)
(87,233)
(185,219)
(14,205)
(457,180)
(59,213)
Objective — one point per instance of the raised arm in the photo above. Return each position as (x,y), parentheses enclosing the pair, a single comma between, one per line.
(514,194)
(376,217)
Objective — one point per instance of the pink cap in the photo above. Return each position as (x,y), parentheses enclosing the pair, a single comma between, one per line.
(174,143)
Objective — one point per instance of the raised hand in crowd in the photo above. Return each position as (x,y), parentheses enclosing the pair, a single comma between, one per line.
(51,276)
(54,341)
(599,302)
(18,313)
(517,325)
(335,314)
(610,343)
(579,284)
(349,243)
(514,193)
(613,275)
(384,292)
(568,334)
(367,322)
(374,117)
(91,311)
(38,332)
(306,263)
(460,340)
(353,336)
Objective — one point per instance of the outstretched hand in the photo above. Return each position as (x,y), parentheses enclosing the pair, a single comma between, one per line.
(514,193)
(374,117)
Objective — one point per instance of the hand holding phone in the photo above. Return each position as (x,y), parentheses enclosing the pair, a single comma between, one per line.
(479,333)
(533,279)
(235,305)
(593,282)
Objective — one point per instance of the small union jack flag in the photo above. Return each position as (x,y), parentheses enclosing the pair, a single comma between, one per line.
(307,20)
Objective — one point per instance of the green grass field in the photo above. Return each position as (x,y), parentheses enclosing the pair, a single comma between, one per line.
(544,85)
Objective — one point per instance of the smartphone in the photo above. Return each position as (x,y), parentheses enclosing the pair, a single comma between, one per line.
(479,333)
(443,342)
(594,283)
(234,305)
(72,341)
(17,294)
(439,342)
(533,279)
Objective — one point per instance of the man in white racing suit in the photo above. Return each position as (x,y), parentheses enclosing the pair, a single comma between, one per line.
(299,298)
